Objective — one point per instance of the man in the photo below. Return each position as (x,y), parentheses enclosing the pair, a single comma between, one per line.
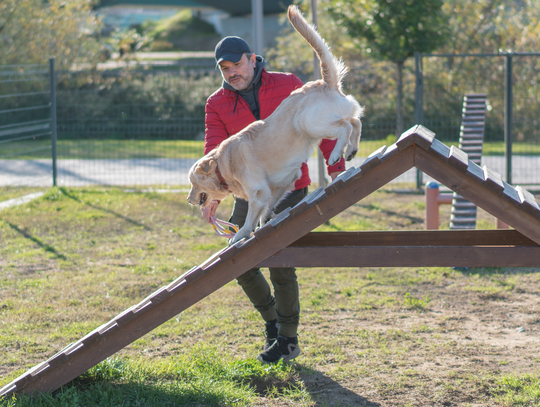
(251,93)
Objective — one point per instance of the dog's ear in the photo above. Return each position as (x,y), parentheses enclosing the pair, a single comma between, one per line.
(207,166)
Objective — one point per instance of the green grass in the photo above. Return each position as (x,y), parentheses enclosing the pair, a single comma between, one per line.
(76,257)
(132,149)
(518,390)
(109,149)
(202,377)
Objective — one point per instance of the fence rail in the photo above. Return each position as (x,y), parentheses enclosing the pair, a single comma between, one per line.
(28,90)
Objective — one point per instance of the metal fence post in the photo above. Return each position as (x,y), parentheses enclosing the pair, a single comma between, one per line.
(257,26)
(53,118)
(418,104)
(508,118)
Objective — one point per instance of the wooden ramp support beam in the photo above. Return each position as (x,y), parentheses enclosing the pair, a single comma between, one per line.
(416,147)
(448,248)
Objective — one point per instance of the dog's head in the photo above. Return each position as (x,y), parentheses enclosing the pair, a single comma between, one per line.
(205,184)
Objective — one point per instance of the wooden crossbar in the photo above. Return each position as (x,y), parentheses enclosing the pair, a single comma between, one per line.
(454,248)
(421,238)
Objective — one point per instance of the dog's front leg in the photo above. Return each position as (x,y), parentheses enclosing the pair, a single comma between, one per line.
(256,208)
(352,147)
(342,134)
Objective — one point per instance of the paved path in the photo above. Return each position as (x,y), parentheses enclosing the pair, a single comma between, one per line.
(165,171)
(20,201)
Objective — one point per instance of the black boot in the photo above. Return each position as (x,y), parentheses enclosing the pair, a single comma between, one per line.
(271,333)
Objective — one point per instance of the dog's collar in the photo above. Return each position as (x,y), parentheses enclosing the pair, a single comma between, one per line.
(221,180)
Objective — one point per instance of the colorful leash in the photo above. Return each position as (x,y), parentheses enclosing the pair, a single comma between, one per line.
(221,227)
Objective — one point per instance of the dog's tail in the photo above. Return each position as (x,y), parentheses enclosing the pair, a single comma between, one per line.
(332,69)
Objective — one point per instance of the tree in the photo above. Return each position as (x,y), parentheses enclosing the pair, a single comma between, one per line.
(487,26)
(32,31)
(292,52)
(394,30)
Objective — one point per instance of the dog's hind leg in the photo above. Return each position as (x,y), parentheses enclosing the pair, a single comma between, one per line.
(278,195)
(354,140)
(342,133)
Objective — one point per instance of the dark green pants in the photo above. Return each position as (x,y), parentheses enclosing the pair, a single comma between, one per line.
(285,303)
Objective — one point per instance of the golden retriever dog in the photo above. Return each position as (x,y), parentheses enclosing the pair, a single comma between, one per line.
(262,162)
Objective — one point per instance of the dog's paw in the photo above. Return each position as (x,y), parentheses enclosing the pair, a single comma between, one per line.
(234,240)
(334,158)
(241,234)
(351,155)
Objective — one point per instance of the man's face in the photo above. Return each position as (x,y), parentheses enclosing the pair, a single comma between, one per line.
(240,74)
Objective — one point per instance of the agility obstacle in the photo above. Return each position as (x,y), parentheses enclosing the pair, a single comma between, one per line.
(286,241)
(471,140)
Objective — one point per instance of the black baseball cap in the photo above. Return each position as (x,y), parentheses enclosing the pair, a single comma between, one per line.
(231,49)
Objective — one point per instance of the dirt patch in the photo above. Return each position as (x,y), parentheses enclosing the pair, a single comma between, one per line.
(457,345)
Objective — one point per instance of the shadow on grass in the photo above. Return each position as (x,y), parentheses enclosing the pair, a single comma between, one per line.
(99,208)
(325,391)
(125,395)
(44,246)
(496,271)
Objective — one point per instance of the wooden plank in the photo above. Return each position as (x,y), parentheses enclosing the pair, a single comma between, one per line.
(373,160)
(493,180)
(507,237)
(475,172)
(419,135)
(406,256)
(91,338)
(57,360)
(406,139)
(458,158)
(475,97)
(334,186)
(346,175)
(529,203)
(389,152)
(319,194)
(125,317)
(299,208)
(160,295)
(279,220)
(511,194)
(440,149)
(486,198)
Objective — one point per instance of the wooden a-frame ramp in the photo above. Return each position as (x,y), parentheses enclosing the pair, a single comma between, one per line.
(286,241)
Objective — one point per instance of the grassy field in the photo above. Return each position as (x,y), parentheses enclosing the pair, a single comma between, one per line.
(131,149)
(76,257)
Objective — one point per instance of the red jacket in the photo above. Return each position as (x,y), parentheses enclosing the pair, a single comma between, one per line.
(220,122)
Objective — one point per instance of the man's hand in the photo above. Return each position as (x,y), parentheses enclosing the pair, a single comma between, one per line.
(209,210)
(334,175)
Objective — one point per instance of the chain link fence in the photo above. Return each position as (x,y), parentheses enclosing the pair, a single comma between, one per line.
(27,124)
(144,125)
(512,135)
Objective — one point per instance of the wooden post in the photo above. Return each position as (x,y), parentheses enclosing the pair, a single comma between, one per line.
(433,200)
(432,207)
(501,224)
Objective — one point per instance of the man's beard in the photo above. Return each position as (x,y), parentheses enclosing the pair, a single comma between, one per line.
(244,82)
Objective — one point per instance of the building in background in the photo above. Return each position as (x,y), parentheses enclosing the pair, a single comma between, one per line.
(231,17)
